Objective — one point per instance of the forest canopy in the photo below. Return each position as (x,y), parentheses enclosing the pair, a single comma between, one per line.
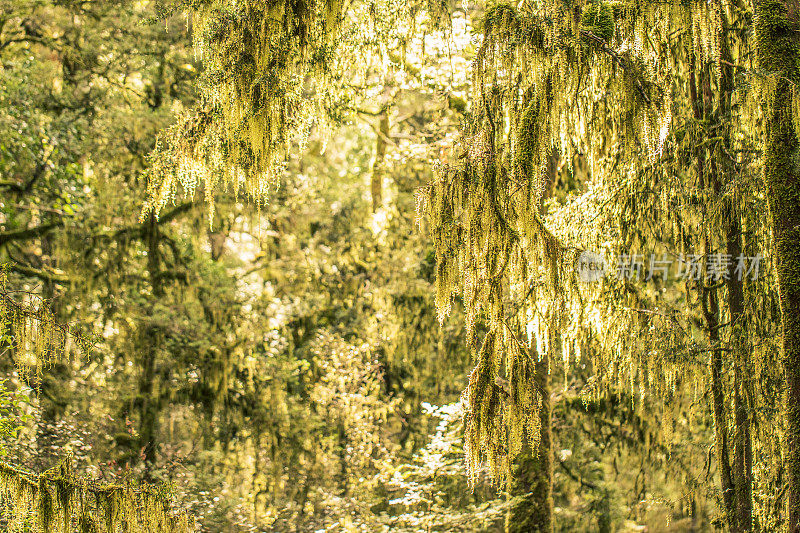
(407,266)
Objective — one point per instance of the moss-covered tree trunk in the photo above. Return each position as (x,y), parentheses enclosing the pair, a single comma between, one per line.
(148,393)
(742,464)
(533,472)
(776,27)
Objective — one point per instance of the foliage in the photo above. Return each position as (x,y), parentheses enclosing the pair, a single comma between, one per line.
(56,500)
(429,493)
(278,365)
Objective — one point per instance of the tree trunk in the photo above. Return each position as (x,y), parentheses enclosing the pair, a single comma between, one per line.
(148,393)
(533,472)
(721,433)
(379,164)
(698,81)
(742,438)
(51,386)
(776,25)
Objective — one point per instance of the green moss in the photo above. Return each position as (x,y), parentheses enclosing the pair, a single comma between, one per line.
(527,139)
(64,491)
(57,501)
(456,103)
(500,17)
(778,54)
(45,508)
(598,18)
(86,524)
(776,43)
(532,511)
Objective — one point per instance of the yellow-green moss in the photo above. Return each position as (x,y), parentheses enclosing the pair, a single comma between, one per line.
(598,18)
(778,55)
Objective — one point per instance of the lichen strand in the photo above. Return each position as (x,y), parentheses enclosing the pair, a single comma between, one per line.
(566,80)
(57,501)
(256,57)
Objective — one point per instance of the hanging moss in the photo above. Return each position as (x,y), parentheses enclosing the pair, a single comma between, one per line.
(269,76)
(39,340)
(45,508)
(598,18)
(527,138)
(536,94)
(87,524)
(57,501)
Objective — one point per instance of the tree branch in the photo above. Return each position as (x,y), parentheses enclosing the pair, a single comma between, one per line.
(43,275)
(619,60)
(136,231)
(174,212)
(27,233)
(579,479)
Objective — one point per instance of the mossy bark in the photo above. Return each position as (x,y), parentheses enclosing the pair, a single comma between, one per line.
(533,473)
(533,469)
(742,465)
(776,25)
(148,397)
